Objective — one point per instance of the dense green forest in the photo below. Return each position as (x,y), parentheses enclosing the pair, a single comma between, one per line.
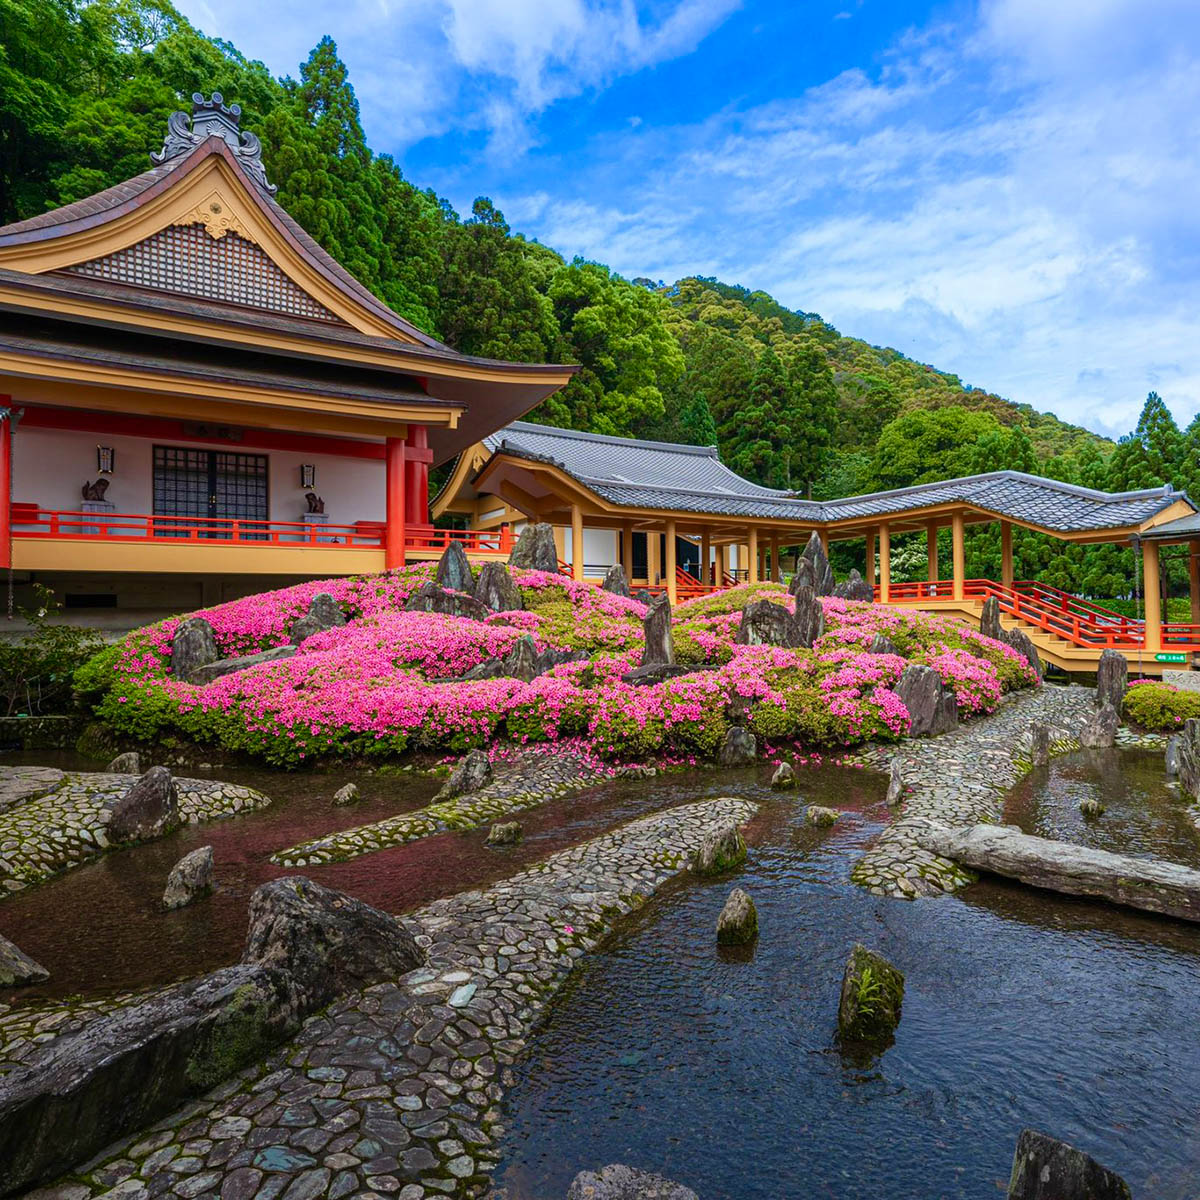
(85,92)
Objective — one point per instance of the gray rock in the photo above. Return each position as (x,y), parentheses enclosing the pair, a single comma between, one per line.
(855,587)
(346,794)
(431,598)
(882,645)
(301,629)
(1099,730)
(1171,756)
(190,878)
(126,1069)
(989,619)
(660,647)
(521,662)
(17,969)
(738,922)
(1145,883)
(328,942)
(618,1182)
(803,576)
(821,580)
(615,581)
(643,596)
(192,646)
(1189,756)
(809,618)
(470,773)
(505,833)
(765,623)
(1112,680)
(930,703)
(129,763)
(454,570)
(739,749)
(1019,641)
(227,666)
(491,668)
(148,809)
(535,550)
(658,672)
(720,851)
(784,777)
(1047,1169)
(871,997)
(325,609)
(497,590)
(1091,807)
(1039,745)
(895,789)
(818,814)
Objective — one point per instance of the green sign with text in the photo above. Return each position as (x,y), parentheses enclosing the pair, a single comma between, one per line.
(1170,658)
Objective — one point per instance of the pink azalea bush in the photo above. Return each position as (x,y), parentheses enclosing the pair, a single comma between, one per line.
(387,683)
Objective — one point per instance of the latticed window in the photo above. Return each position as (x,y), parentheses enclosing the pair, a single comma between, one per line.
(195,483)
(186,260)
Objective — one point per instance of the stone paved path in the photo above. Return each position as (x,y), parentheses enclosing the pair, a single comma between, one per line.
(54,820)
(395,1091)
(961,778)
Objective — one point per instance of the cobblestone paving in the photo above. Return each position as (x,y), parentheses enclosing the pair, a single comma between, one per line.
(961,778)
(50,825)
(531,779)
(395,1090)
(24,1028)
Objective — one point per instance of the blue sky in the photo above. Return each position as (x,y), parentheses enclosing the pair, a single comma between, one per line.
(1004,188)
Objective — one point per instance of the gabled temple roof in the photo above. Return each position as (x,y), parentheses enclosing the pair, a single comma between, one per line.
(662,475)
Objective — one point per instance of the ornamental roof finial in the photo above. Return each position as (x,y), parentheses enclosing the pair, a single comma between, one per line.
(213,118)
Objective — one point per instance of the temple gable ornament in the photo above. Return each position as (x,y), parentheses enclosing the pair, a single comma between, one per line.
(212,118)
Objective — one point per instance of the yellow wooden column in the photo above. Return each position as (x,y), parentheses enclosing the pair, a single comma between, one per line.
(823,534)
(670,567)
(1194,580)
(870,575)
(576,543)
(776,573)
(752,556)
(885,563)
(706,556)
(959,555)
(653,559)
(627,550)
(1153,596)
(722,565)
(560,542)
(1006,557)
(931,551)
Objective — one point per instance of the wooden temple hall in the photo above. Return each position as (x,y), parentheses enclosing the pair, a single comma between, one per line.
(197,402)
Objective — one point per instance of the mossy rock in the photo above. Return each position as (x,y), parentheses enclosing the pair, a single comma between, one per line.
(721,851)
(97,741)
(872,995)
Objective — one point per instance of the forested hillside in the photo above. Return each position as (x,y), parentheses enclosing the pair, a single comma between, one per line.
(85,92)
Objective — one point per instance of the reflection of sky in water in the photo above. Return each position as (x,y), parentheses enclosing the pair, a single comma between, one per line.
(1021,1008)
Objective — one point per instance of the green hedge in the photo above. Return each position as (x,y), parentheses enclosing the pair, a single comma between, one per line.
(1159,706)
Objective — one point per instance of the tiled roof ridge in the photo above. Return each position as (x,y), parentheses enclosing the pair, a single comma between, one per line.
(607,438)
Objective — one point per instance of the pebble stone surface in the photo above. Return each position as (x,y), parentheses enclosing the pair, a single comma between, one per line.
(52,820)
(524,782)
(395,1091)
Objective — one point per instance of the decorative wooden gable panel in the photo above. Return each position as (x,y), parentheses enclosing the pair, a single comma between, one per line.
(190,260)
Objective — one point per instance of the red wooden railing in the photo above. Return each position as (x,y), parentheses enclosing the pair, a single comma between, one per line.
(473,541)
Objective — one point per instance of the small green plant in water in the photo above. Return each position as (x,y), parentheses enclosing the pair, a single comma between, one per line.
(869,992)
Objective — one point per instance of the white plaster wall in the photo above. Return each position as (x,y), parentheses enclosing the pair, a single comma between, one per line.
(50,466)
(600,549)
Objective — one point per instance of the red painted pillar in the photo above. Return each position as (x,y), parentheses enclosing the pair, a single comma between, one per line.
(417,458)
(393,545)
(5,486)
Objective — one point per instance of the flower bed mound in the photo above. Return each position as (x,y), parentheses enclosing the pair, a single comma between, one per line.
(387,682)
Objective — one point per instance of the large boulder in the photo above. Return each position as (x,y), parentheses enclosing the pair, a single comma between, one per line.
(809,618)
(881,644)
(739,749)
(1188,757)
(126,1069)
(328,942)
(855,587)
(193,645)
(454,570)
(496,589)
(1112,680)
(932,706)
(521,662)
(431,598)
(470,773)
(1099,729)
(871,997)
(228,666)
(324,609)
(822,572)
(720,851)
(148,809)
(802,576)
(535,549)
(989,619)
(660,647)
(784,777)
(129,763)
(738,922)
(615,581)
(17,969)
(190,878)
(619,1182)
(1019,641)
(1046,1169)
(765,623)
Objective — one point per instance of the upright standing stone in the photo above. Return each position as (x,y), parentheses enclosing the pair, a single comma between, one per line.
(989,619)
(149,808)
(1019,641)
(535,550)
(1047,1169)
(615,581)
(1112,680)
(129,763)
(880,644)
(932,706)
(872,994)
(855,587)
(802,576)
(1189,757)
(1039,745)
(739,749)
(895,791)
(784,777)
(190,878)
(1099,730)
(822,572)
(521,662)
(472,772)
(720,851)
(324,609)
(1171,757)
(192,646)
(660,647)
(738,922)
(765,623)
(496,589)
(809,618)
(454,570)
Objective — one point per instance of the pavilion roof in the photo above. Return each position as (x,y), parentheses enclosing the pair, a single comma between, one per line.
(665,475)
